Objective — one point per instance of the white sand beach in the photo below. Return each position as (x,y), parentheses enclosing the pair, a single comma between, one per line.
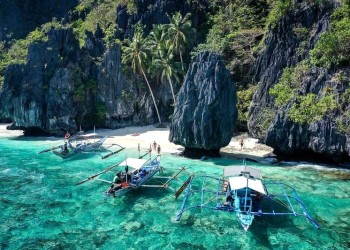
(132,136)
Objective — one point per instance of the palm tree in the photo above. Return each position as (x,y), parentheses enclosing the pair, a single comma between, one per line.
(136,53)
(178,30)
(156,38)
(167,67)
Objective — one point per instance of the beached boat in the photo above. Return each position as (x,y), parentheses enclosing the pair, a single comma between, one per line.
(134,173)
(84,143)
(242,191)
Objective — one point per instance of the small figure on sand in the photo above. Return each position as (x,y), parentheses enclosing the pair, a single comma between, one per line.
(241,143)
(154,146)
(158,149)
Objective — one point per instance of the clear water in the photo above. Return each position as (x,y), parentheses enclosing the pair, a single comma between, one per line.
(42,209)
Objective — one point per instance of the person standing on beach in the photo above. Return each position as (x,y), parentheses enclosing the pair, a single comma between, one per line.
(242,144)
(158,149)
(154,146)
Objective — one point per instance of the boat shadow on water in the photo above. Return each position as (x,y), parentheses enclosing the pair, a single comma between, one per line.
(262,227)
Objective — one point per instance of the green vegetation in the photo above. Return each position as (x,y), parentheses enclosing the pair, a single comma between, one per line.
(244,97)
(285,90)
(157,54)
(310,108)
(18,51)
(264,120)
(305,109)
(102,14)
(236,30)
(135,53)
(343,121)
(333,47)
(177,32)
(237,27)
(279,10)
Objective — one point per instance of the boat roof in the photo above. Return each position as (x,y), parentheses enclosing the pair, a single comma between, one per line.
(239,182)
(239,170)
(85,136)
(135,163)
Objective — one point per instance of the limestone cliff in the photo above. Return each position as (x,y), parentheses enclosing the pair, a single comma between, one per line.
(63,86)
(205,111)
(284,47)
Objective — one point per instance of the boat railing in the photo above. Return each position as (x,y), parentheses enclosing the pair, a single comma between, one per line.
(293,211)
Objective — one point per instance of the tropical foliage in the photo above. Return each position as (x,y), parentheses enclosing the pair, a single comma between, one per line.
(292,77)
(237,27)
(135,53)
(333,47)
(244,97)
(310,108)
(18,51)
(307,108)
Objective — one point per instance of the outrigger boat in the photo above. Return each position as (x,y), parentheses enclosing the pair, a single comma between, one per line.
(242,191)
(84,143)
(134,174)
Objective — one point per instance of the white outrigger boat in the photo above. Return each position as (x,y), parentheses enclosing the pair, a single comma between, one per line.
(84,143)
(241,190)
(134,173)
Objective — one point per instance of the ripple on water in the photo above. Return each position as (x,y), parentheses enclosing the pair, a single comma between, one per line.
(41,207)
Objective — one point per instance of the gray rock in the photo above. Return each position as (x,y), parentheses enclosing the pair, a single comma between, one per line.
(19,17)
(281,51)
(317,141)
(205,111)
(322,140)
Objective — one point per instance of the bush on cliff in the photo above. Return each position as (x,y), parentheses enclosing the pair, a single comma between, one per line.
(333,47)
(307,108)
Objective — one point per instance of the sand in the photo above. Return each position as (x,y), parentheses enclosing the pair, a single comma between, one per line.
(130,137)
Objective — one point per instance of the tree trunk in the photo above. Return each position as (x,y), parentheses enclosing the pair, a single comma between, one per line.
(171,87)
(182,63)
(154,100)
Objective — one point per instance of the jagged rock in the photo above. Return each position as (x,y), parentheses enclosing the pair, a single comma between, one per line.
(150,12)
(37,96)
(280,51)
(87,85)
(317,141)
(205,111)
(322,140)
(19,17)
(63,87)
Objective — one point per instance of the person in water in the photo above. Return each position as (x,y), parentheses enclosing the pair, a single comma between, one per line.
(154,146)
(158,149)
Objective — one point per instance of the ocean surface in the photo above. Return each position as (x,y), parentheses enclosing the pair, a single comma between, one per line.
(41,208)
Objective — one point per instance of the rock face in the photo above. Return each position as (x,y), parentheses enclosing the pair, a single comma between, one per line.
(284,48)
(19,17)
(63,87)
(205,111)
(150,12)
(322,140)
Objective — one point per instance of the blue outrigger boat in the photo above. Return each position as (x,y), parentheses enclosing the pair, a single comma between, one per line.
(242,191)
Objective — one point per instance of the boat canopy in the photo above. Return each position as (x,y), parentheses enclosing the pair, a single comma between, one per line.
(133,163)
(239,182)
(91,135)
(238,170)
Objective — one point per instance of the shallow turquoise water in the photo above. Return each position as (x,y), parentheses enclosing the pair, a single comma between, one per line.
(42,209)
